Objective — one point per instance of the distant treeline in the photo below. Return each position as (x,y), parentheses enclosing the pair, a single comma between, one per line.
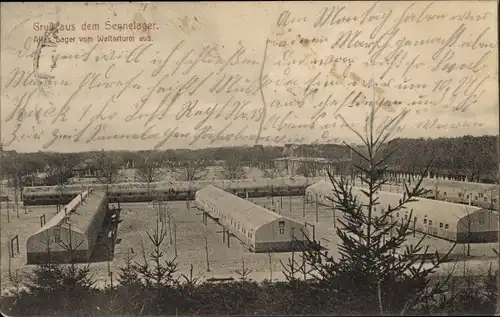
(467,156)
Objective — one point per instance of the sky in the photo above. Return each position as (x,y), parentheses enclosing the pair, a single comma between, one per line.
(193,75)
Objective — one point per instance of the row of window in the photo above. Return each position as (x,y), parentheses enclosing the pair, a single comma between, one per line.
(415,219)
(460,195)
(480,195)
(426,222)
(441,225)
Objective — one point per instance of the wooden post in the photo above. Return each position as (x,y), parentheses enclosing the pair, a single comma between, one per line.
(414,226)
(228,238)
(12,247)
(10,257)
(333,214)
(206,253)
(290,197)
(270,267)
(16,204)
(170,228)
(223,234)
(316,208)
(8,207)
(281,199)
(392,221)
(111,279)
(304,206)
(175,239)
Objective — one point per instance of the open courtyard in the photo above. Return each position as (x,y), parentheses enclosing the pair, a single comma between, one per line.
(192,242)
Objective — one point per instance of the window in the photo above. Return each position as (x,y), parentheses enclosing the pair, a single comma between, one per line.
(446,226)
(440,225)
(397,214)
(444,193)
(57,235)
(282,227)
(430,222)
(481,221)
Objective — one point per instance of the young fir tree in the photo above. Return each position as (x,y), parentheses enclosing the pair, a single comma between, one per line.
(156,273)
(368,277)
(127,276)
(61,287)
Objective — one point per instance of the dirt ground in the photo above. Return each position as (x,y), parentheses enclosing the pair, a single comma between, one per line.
(188,237)
(190,232)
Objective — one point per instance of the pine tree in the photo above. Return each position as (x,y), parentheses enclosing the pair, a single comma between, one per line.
(369,276)
(127,276)
(158,276)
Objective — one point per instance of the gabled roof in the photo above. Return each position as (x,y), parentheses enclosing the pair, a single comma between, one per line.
(79,216)
(303,159)
(244,211)
(439,210)
(323,187)
(53,190)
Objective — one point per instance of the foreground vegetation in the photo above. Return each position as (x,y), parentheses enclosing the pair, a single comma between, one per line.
(61,293)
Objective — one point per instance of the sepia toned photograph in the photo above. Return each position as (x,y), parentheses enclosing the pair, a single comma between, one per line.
(249,158)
